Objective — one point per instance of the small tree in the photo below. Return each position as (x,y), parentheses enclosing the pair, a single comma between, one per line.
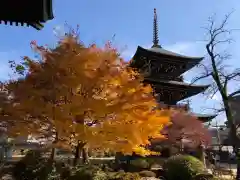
(85,96)
(185,131)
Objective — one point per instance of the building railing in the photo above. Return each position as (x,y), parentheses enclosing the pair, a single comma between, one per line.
(182,106)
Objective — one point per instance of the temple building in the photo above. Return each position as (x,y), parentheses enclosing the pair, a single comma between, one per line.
(29,13)
(163,69)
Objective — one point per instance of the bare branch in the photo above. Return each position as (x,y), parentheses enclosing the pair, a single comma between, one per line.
(215,110)
(206,73)
(227,77)
(217,70)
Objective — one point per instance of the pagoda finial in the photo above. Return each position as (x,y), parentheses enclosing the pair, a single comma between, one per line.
(155,30)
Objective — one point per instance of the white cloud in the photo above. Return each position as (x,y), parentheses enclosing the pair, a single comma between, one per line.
(5,70)
(187,81)
(128,53)
(217,97)
(59,30)
(187,48)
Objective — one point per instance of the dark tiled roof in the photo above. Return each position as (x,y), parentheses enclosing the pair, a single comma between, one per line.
(37,26)
(170,53)
(177,83)
(204,117)
(26,13)
(186,84)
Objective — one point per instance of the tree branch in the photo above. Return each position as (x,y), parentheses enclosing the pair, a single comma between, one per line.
(205,74)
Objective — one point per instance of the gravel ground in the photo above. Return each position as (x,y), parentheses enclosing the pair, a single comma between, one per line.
(7,177)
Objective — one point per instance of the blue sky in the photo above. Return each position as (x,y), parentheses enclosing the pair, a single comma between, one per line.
(180,29)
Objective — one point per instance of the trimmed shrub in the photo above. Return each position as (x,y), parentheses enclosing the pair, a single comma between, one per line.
(147,174)
(32,166)
(88,173)
(131,176)
(62,170)
(182,167)
(123,176)
(139,164)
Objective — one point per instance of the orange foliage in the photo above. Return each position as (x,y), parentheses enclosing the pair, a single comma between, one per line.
(87,94)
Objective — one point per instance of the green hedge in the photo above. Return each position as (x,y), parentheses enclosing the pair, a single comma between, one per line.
(32,166)
(183,167)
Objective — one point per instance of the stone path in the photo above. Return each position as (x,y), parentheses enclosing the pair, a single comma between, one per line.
(226,167)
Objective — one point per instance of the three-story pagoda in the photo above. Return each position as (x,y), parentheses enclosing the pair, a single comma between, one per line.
(163,69)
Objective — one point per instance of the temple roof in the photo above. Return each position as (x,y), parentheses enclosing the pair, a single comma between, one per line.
(162,51)
(177,83)
(29,13)
(185,84)
(175,87)
(36,25)
(162,56)
(204,117)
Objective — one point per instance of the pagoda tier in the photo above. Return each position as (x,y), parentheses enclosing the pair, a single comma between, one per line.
(170,92)
(204,117)
(29,13)
(185,107)
(157,61)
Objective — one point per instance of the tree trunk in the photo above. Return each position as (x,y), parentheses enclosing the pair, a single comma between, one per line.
(85,159)
(202,155)
(233,135)
(238,164)
(53,154)
(77,154)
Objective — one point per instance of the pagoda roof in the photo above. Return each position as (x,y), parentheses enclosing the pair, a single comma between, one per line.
(235,98)
(160,50)
(161,55)
(176,87)
(29,13)
(185,84)
(178,83)
(204,117)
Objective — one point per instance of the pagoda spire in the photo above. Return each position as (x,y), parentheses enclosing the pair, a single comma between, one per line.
(155,30)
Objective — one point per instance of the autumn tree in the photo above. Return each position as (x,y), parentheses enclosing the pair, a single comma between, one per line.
(85,96)
(185,130)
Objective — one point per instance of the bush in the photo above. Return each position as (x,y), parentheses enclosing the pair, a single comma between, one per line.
(62,170)
(182,167)
(88,173)
(139,164)
(131,176)
(147,174)
(32,166)
(106,168)
(123,176)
